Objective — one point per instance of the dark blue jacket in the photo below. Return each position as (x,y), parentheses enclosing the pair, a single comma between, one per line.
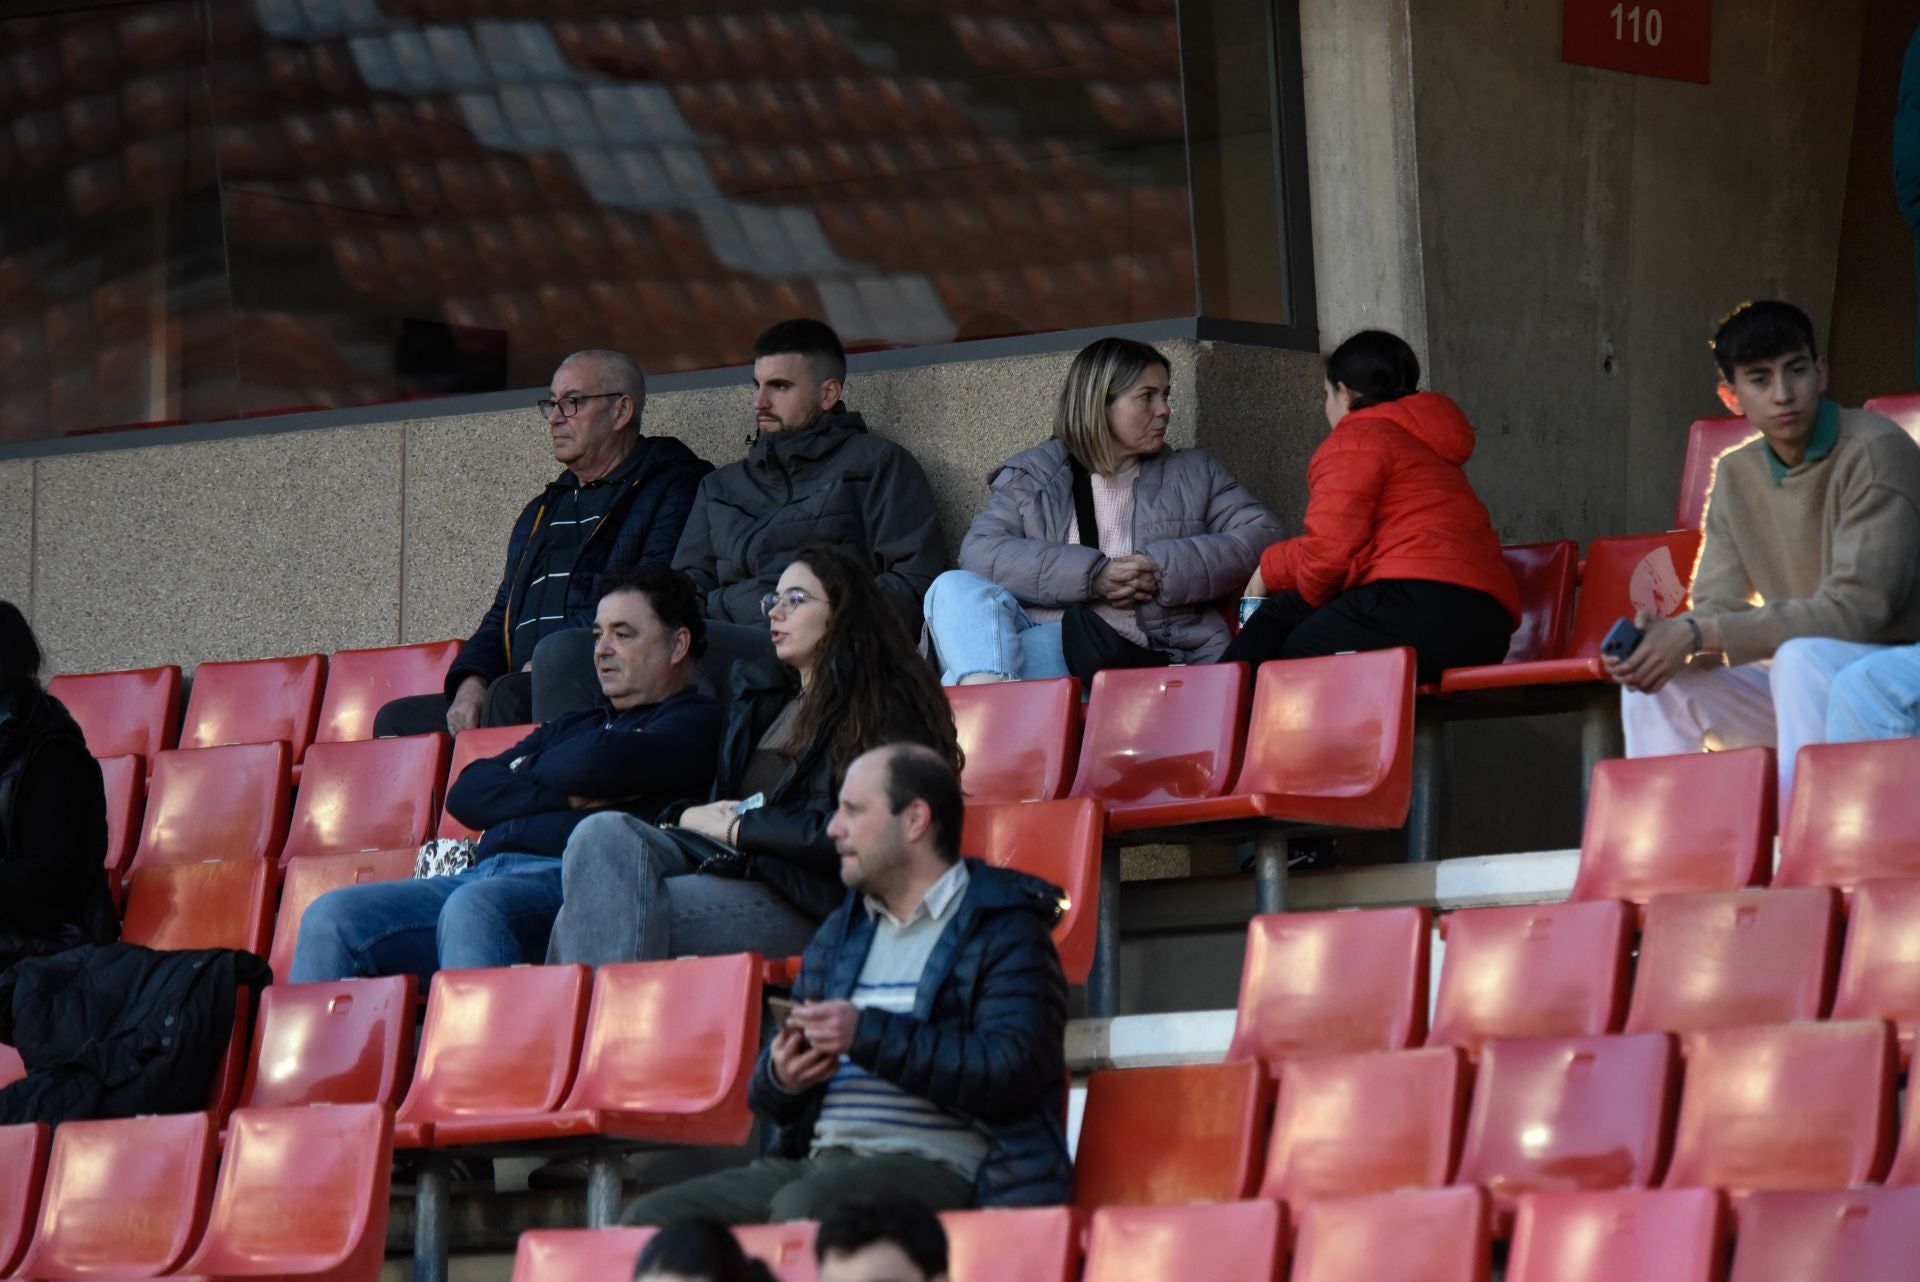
(642,528)
(986,1039)
(638,761)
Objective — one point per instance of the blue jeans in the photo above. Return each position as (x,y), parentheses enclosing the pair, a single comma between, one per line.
(497,913)
(1877,697)
(979,627)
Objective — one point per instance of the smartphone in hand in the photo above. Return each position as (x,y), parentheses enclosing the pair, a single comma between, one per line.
(1622,639)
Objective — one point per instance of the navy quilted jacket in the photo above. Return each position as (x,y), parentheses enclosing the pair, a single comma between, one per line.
(986,1039)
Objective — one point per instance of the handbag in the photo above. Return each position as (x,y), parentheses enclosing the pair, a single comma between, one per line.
(714,858)
(1089,642)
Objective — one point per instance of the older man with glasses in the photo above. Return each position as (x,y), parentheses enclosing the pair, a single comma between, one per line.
(622,501)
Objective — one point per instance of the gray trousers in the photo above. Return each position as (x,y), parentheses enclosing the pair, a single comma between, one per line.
(774,1189)
(562,680)
(628,893)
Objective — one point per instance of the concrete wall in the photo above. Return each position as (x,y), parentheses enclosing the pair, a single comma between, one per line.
(359,536)
(1582,230)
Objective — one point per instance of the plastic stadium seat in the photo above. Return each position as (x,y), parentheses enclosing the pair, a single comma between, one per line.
(1646,1236)
(1059,842)
(132,713)
(1740,957)
(379,794)
(1348,1124)
(1785,1106)
(122,1198)
(1623,574)
(1855,814)
(360,681)
(786,1249)
(578,1255)
(1157,735)
(1333,982)
(1018,1244)
(496,1043)
(1538,970)
(1674,825)
(1566,1114)
(126,784)
(255,701)
(470,746)
(23,1164)
(1859,1235)
(215,803)
(1245,1241)
(1431,1235)
(1021,738)
(1905,1171)
(1880,966)
(347,1042)
(1158,1136)
(690,1088)
(302,1194)
(1904,410)
(11,1067)
(226,903)
(1707,440)
(1546,574)
(313,876)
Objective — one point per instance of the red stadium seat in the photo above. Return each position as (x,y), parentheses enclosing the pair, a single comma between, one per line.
(1673,1236)
(1739,957)
(496,1043)
(360,681)
(470,746)
(348,1042)
(1859,1235)
(1707,440)
(1334,982)
(1567,1114)
(23,1165)
(1348,1124)
(1546,574)
(1021,738)
(313,876)
(1059,842)
(1245,1241)
(1880,966)
(578,1255)
(379,794)
(1019,1244)
(1701,821)
(1539,970)
(1785,1106)
(302,1194)
(1159,1136)
(225,903)
(215,803)
(123,1198)
(1162,735)
(1904,410)
(255,701)
(1624,574)
(11,1067)
(690,1088)
(126,784)
(1855,814)
(1431,1235)
(786,1249)
(132,713)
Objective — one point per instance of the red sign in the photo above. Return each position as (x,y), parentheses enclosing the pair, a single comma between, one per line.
(1668,38)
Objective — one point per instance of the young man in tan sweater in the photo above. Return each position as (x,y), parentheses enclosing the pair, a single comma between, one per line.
(1810,560)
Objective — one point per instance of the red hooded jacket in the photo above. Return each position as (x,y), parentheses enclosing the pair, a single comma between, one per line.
(1387,499)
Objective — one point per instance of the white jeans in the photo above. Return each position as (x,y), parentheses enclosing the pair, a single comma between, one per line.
(1877,698)
(1779,703)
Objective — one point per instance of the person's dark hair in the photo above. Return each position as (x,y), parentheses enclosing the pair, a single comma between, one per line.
(1761,331)
(869,685)
(19,652)
(703,1249)
(908,1225)
(1375,366)
(814,340)
(918,773)
(672,595)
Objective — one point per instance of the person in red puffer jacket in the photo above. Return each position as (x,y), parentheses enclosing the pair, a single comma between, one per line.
(1398,549)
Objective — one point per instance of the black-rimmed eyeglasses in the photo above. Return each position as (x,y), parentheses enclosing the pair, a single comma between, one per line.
(569,405)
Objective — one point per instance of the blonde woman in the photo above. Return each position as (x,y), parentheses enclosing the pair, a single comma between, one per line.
(1172,534)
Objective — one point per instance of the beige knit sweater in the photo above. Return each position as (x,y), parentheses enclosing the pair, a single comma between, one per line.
(1833,550)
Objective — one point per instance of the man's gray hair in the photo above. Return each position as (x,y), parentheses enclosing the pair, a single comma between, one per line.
(623,374)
